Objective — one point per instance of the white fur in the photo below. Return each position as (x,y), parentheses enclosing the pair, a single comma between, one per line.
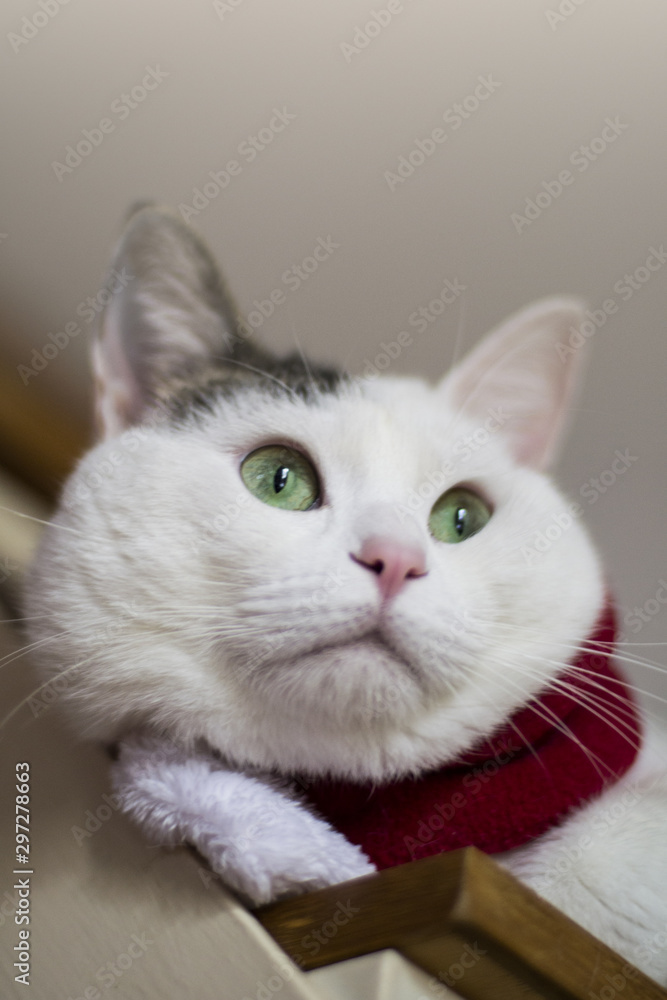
(606,866)
(252,831)
(175,603)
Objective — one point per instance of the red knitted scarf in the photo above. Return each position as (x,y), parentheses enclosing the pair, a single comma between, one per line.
(553,755)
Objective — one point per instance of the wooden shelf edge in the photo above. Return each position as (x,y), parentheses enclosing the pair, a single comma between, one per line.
(461,917)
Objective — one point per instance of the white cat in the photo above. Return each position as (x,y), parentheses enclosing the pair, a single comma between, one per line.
(265,571)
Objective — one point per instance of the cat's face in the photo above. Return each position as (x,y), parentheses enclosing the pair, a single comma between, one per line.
(347,619)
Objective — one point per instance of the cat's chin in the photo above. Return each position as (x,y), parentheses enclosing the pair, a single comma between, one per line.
(362,679)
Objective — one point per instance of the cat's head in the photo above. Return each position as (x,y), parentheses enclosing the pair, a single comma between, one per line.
(309,571)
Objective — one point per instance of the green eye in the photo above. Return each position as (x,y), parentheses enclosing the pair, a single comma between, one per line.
(281,477)
(458,514)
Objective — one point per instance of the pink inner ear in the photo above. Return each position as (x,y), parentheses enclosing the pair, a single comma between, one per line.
(170,313)
(117,397)
(111,404)
(519,370)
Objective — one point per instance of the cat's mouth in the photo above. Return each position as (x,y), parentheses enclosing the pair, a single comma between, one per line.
(372,637)
(372,645)
(362,662)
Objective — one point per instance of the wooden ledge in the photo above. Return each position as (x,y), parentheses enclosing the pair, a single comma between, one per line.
(461,917)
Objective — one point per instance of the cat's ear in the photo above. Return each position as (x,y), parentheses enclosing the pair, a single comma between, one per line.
(167,312)
(526,371)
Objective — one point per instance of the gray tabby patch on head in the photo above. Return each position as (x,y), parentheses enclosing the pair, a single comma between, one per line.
(170,338)
(226,377)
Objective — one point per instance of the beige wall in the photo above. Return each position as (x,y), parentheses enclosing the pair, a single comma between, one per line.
(554,80)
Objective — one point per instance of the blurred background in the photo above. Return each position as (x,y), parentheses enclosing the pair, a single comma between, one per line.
(457,158)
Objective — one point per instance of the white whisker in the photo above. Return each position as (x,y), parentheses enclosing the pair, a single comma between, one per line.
(39,520)
(36,691)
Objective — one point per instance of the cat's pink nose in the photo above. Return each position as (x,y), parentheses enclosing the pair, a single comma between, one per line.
(392,561)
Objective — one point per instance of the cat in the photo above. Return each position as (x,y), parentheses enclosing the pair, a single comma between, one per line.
(272,586)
